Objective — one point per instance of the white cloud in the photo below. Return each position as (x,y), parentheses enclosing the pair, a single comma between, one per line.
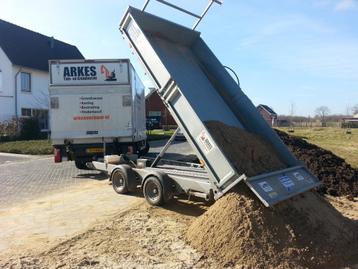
(343,5)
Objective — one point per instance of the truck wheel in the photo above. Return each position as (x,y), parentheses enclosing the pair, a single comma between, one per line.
(145,150)
(81,164)
(153,191)
(119,182)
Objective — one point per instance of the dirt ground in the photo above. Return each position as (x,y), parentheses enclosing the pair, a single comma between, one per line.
(140,237)
(44,222)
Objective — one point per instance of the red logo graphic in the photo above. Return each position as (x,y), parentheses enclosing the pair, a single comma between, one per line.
(110,76)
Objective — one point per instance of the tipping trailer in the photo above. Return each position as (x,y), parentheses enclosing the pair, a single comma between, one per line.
(196,88)
(97,108)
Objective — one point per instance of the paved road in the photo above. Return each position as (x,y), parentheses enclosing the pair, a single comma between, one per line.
(42,202)
(24,180)
(178,150)
(10,158)
(23,177)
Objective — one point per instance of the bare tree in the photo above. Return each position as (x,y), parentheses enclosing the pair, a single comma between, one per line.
(322,112)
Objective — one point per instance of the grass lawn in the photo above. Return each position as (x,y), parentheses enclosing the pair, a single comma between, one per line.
(43,147)
(334,139)
(33,147)
(159,134)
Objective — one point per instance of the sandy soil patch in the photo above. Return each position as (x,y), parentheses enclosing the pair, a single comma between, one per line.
(43,222)
(140,237)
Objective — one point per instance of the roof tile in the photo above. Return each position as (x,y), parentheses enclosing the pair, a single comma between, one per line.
(30,49)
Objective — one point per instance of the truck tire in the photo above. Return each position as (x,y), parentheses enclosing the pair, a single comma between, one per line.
(119,182)
(81,164)
(153,191)
(145,150)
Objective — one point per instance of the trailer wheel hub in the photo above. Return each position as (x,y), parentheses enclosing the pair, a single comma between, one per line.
(152,191)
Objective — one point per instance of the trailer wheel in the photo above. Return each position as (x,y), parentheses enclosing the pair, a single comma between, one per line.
(119,182)
(81,164)
(153,191)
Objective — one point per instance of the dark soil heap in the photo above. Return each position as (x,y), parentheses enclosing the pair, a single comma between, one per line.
(337,176)
(304,232)
(249,153)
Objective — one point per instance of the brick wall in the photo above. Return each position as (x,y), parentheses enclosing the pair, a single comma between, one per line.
(267,116)
(154,104)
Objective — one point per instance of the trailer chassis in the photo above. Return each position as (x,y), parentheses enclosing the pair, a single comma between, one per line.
(160,179)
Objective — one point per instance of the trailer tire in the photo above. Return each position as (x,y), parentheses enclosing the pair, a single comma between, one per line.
(129,176)
(153,191)
(119,182)
(81,164)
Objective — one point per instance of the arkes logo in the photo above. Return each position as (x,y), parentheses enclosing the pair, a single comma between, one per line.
(110,76)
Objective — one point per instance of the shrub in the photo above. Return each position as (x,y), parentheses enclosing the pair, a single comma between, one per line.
(9,130)
(30,129)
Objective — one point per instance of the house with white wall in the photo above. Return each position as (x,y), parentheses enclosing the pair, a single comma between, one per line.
(24,71)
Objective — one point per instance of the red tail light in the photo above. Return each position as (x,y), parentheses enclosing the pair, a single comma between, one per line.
(57,155)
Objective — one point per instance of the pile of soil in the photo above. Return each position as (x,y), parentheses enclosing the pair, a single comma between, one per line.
(337,176)
(305,231)
(249,153)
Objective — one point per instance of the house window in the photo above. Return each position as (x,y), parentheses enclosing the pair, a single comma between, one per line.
(25,82)
(1,81)
(42,116)
(26,112)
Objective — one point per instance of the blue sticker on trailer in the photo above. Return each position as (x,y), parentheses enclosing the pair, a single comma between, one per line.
(265,186)
(298,176)
(287,182)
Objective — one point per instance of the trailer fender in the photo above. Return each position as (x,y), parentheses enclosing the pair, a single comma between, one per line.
(129,175)
(166,182)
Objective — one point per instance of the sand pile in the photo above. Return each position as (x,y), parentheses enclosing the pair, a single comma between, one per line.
(303,232)
(249,153)
(337,176)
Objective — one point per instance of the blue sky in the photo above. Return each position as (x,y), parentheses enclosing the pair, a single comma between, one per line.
(301,52)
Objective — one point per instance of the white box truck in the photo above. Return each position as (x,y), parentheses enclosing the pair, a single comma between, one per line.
(97,107)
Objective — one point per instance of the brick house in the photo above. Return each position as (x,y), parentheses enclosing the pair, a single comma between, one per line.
(268,114)
(155,109)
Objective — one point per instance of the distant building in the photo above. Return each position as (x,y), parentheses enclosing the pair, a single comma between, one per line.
(268,114)
(156,110)
(350,122)
(24,74)
(283,123)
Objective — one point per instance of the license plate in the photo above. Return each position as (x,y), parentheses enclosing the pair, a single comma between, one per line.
(94,150)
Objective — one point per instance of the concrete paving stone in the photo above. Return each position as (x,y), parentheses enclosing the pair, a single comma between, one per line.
(26,180)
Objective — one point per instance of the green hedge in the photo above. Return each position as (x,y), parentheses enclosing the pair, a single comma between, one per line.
(33,147)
